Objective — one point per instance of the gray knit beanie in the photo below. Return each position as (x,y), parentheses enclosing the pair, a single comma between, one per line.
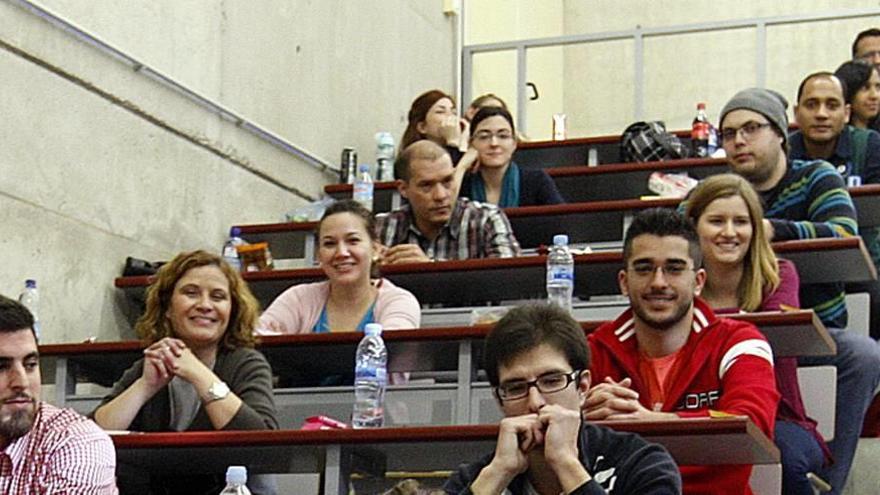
(767,102)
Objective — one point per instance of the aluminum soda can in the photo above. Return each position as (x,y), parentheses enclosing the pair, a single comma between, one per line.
(348,166)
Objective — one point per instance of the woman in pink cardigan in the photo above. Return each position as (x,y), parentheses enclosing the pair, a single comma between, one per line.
(352,295)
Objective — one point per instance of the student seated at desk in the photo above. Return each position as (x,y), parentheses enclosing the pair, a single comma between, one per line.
(492,176)
(538,363)
(743,273)
(199,370)
(435,225)
(433,116)
(670,357)
(353,295)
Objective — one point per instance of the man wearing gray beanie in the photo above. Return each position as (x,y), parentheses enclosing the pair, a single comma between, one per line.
(804,200)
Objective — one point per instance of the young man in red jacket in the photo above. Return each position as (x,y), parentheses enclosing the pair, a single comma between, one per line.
(669,357)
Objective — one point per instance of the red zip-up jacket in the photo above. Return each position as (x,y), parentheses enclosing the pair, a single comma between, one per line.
(724,368)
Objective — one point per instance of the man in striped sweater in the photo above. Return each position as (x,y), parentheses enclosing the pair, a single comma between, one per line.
(806,200)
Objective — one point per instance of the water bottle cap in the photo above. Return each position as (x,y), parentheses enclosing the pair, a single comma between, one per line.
(30,283)
(384,139)
(364,167)
(236,474)
(560,240)
(373,329)
(701,106)
(235,232)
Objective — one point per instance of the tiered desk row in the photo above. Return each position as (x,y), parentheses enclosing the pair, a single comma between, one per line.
(436,411)
(446,407)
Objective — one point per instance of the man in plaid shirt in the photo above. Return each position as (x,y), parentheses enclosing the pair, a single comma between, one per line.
(436,225)
(43,449)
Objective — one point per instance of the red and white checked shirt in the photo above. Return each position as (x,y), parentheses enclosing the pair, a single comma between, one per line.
(475,230)
(64,453)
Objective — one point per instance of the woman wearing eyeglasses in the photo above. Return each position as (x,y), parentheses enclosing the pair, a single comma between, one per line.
(491,176)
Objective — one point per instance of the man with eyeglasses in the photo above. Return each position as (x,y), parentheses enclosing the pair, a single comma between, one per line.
(538,363)
(806,200)
(867,46)
(670,357)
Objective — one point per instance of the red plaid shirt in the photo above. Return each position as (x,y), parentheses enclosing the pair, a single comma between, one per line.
(475,230)
(64,453)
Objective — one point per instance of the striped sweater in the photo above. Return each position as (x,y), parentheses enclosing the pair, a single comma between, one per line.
(811,201)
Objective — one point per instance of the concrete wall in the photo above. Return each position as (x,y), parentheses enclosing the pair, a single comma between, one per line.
(99,162)
(597,90)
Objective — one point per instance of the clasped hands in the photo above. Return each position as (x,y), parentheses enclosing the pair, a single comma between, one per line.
(554,429)
(618,401)
(167,358)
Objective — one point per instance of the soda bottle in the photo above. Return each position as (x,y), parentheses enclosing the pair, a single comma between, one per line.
(230,253)
(700,132)
(370,379)
(560,273)
(363,187)
(384,156)
(236,481)
(30,298)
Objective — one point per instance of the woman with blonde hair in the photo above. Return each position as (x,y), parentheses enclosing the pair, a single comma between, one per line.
(744,274)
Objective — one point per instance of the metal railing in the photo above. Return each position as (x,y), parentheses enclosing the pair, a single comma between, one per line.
(638,36)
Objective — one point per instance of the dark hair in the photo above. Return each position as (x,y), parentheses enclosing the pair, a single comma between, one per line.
(823,73)
(356,209)
(418,111)
(423,149)
(526,327)
(486,112)
(663,222)
(153,325)
(854,75)
(864,34)
(14,316)
(360,211)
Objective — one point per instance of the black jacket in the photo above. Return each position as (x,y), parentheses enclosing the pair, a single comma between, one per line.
(625,462)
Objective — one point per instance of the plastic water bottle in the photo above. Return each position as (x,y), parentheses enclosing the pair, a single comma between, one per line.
(363,187)
(384,156)
(236,481)
(700,130)
(370,378)
(230,254)
(560,273)
(30,298)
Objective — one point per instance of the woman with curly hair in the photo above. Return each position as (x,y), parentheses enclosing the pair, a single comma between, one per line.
(199,370)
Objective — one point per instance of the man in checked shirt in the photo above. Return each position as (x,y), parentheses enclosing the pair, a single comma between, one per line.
(43,449)
(436,225)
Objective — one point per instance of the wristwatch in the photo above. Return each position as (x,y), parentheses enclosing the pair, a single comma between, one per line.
(217,391)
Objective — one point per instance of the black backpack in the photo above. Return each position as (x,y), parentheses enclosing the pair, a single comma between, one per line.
(649,142)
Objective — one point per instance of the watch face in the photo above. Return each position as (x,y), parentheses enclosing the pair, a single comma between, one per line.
(218,390)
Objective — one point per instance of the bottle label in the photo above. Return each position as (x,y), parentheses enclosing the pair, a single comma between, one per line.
(371,372)
(700,131)
(561,273)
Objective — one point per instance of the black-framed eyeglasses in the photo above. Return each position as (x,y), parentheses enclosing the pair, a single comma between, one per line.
(748,130)
(546,384)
